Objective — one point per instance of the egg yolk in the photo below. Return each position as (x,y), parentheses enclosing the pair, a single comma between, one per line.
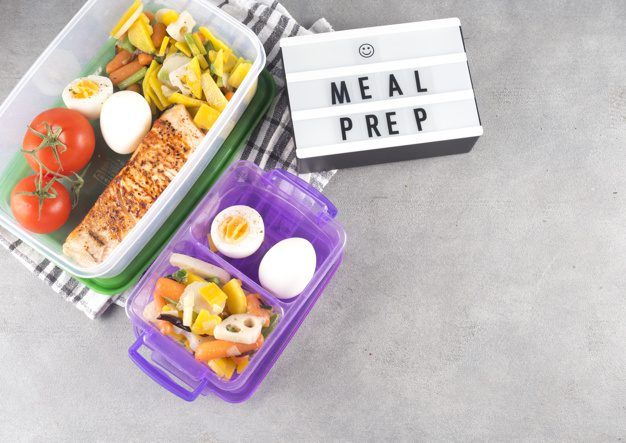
(84,89)
(234,228)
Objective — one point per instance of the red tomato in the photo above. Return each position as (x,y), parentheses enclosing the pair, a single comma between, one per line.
(41,205)
(59,134)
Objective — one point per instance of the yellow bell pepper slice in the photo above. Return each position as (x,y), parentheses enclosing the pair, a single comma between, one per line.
(163,48)
(146,20)
(192,79)
(193,278)
(167,16)
(213,93)
(145,85)
(205,323)
(236,301)
(204,119)
(213,296)
(229,61)
(173,50)
(198,42)
(218,65)
(154,98)
(223,367)
(239,74)
(184,48)
(203,63)
(155,84)
(243,364)
(181,99)
(140,34)
(215,42)
(191,44)
(128,18)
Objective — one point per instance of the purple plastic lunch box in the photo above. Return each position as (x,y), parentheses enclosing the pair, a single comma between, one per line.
(290,207)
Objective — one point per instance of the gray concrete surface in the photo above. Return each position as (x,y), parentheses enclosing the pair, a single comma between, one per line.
(481,298)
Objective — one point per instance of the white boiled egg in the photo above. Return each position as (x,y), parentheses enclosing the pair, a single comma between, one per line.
(288,267)
(87,95)
(125,119)
(238,231)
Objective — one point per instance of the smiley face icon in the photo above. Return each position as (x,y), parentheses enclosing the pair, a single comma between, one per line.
(366,50)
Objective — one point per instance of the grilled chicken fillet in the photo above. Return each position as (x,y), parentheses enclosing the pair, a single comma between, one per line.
(158,158)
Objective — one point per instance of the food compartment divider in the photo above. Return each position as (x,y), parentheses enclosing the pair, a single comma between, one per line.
(204,253)
(284,217)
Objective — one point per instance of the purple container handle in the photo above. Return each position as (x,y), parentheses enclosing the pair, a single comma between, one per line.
(161,377)
(296,181)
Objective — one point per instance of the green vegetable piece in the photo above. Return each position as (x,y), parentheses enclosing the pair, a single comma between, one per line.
(192,44)
(209,47)
(180,276)
(126,44)
(273,322)
(135,78)
(214,280)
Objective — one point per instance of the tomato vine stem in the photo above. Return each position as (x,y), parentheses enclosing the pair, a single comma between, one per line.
(51,139)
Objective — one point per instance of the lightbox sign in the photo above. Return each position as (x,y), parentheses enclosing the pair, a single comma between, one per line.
(380,94)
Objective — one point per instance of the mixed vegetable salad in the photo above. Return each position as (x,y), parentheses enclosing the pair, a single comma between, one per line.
(204,309)
(162,57)
(161,60)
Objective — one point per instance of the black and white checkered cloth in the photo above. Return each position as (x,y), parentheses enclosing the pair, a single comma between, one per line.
(271,145)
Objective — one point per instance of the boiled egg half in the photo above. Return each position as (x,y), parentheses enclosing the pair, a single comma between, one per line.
(238,231)
(87,95)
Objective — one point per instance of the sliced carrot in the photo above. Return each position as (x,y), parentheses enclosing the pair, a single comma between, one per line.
(229,95)
(124,72)
(209,350)
(120,59)
(172,290)
(165,327)
(149,14)
(166,287)
(254,308)
(158,34)
(144,59)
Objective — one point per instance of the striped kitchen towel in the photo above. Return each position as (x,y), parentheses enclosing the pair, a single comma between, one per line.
(271,146)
